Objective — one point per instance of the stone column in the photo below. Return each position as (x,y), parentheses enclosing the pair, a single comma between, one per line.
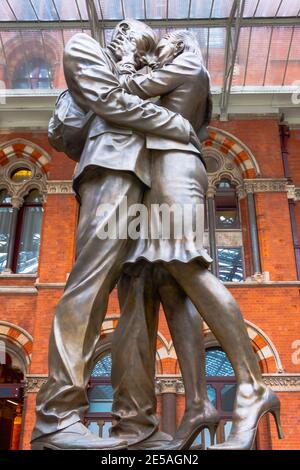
(167,387)
(256,261)
(16,204)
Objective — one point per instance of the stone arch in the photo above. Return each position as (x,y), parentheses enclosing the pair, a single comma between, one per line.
(21,148)
(165,353)
(266,353)
(234,151)
(166,358)
(20,338)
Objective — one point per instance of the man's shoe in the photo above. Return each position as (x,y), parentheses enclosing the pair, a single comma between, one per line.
(158,440)
(74,437)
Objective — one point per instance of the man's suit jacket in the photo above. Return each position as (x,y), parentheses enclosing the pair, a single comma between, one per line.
(184,86)
(116,137)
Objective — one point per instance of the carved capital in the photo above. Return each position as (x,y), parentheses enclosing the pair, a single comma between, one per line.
(283,382)
(211,192)
(33,383)
(266,185)
(169,385)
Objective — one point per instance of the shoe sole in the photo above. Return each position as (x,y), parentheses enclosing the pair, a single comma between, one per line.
(47,446)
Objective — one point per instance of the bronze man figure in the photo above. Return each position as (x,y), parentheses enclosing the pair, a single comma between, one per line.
(114,165)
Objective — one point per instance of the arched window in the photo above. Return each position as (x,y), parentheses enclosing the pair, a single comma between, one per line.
(20,229)
(27,246)
(100,394)
(221,388)
(33,74)
(226,206)
(6,212)
(11,403)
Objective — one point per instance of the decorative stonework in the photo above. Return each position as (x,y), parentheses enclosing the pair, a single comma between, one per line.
(293,192)
(59,187)
(18,191)
(33,383)
(265,185)
(278,383)
(283,382)
(169,385)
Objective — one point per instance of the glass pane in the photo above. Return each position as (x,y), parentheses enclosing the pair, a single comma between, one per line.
(201,9)
(227,213)
(228,393)
(212,164)
(212,395)
(222,8)
(45,9)
(230,264)
(111,9)
(289,8)
(21,175)
(267,8)
(5,224)
(22,9)
(178,9)
(217,363)
(281,40)
(156,10)
(30,240)
(134,9)
(100,399)
(226,218)
(103,367)
(250,8)
(67,10)
(258,54)
(292,73)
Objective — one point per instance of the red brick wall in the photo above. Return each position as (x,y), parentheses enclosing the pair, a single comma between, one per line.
(274,309)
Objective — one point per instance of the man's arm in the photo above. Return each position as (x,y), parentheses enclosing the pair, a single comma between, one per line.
(94,87)
(158,82)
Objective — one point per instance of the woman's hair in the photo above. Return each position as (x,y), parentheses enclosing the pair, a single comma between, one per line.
(188,39)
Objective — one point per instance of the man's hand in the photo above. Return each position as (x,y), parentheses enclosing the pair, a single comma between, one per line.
(128,50)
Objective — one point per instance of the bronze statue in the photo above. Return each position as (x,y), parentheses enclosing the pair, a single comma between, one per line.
(179,177)
(140,151)
(114,165)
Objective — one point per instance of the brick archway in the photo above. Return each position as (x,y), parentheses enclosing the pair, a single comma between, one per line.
(20,148)
(19,337)
(228,144)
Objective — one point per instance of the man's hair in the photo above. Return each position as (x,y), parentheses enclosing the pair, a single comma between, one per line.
(188,39)
(146,36)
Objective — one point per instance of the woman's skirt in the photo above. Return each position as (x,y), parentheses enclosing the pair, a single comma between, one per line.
(173,212)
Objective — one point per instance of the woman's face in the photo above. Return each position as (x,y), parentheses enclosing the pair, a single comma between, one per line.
(165,52)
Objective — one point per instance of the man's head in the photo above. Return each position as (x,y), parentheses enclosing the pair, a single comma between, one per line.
(142,37)
(175,43)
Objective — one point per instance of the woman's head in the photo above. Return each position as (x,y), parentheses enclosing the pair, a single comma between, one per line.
(175,43)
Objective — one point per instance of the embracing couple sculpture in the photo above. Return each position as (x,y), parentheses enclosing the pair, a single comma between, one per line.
(148,153)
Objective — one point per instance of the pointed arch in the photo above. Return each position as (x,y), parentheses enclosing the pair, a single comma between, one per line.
(21,148)
(229,145)
(19,337)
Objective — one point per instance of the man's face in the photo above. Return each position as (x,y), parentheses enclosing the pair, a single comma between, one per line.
(165,52)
